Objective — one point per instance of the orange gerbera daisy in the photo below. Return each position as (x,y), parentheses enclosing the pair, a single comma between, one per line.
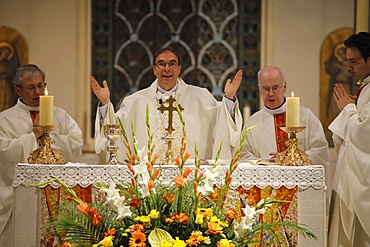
(136,228)
(214,228)
(110,232)
(137,240)
(195,239)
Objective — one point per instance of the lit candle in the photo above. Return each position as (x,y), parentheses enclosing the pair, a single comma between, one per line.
(292,111)
(46,109)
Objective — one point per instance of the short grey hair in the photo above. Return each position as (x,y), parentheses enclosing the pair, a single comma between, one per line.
(27,70)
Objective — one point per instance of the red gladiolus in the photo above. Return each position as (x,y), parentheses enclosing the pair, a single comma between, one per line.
(83,208)
(133,181)
(96,219)
(129,166)
(229,180)
(133,158)
(135,203)
(235,166)
(92,212)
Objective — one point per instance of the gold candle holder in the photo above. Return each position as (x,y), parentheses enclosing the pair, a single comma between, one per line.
(293,156)
(45,154)
(112,132)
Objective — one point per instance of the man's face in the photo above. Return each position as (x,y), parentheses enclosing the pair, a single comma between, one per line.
(31,89)
(272,90)
(166,70)
(356,64)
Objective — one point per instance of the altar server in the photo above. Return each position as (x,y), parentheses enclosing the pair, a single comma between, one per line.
(208,121)
(19,134)
(349,223)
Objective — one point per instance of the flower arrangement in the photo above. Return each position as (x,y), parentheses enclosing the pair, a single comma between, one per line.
(191,211)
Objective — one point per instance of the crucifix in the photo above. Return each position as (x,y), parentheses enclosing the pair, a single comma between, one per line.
(169,159)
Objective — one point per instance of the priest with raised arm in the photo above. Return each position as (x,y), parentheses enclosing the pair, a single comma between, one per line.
(208,121)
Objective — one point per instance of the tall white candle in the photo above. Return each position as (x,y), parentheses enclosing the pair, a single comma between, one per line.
(46,109)
(293,111)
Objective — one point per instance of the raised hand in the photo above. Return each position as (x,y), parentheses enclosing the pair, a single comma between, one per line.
(231,87)
(102,93)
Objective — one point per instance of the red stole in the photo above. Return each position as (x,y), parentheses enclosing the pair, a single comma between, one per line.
(33,115)
(358,93)
(280,135)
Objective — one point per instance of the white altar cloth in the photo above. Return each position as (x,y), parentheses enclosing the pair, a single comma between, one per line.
(310,181)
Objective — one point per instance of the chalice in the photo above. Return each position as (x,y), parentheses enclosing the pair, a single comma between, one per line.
(112,132)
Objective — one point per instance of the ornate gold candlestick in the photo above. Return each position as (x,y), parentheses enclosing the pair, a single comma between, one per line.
(45,154)
(293,156)
(112,132)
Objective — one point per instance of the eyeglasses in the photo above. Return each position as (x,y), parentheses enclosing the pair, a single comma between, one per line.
(274,89)
(39,86)
(162,65)
(352,62)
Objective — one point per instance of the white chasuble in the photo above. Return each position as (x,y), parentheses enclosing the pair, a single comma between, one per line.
(351,135)
(207,122)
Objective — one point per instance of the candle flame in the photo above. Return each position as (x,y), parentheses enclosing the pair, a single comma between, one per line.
(292,94)
(46,91)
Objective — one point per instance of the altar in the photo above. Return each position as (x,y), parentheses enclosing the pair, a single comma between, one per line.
(308,180)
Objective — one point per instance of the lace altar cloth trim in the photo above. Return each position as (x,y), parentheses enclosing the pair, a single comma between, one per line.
(246,175)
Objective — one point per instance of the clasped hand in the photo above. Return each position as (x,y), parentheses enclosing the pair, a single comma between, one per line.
(342,97)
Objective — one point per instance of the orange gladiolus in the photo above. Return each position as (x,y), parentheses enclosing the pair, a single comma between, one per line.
(187,155)
(66,244)
(150,184)
(155,173)
(187,171)
(180,180)
(168,198)
(149,166)
(195,185)
(83,208)
(178,161)
(155,158)
(235,166)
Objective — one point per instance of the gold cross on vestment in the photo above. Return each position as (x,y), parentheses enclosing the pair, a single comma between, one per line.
(170,108)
